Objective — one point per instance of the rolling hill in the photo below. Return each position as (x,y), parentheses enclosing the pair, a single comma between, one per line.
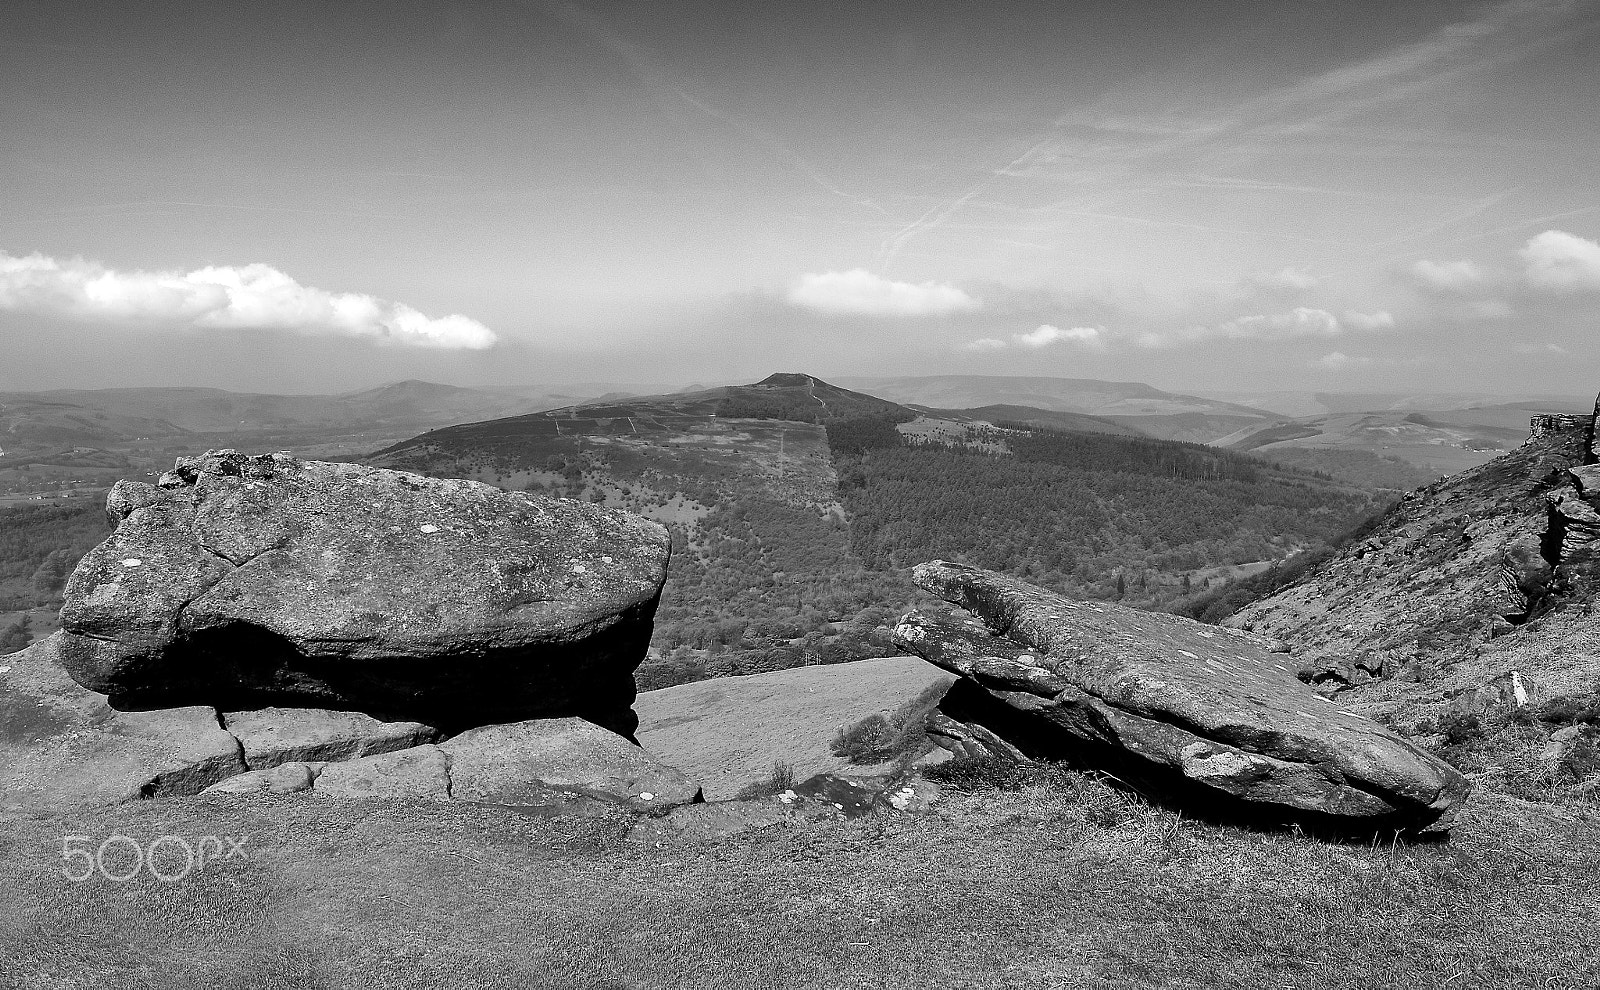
(1443,441)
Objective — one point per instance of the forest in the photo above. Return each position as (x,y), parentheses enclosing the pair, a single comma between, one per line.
(1092,515)
(41,544)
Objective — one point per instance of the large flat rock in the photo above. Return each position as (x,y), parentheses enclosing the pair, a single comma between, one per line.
(241,581)
(64,746)
(728,732)
(1213,709)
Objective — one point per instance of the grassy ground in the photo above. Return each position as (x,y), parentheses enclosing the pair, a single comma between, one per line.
(1070,885)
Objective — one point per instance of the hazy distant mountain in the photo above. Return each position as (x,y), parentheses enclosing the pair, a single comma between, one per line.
(1311,403)
(1079,395)
(1134,406)
(1445,441)
(108,415)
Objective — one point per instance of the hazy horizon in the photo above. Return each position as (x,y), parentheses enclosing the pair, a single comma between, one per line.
(302,198)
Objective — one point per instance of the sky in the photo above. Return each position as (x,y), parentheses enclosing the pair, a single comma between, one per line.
(1277,194)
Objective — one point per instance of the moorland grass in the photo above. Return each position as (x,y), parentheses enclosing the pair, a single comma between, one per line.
(1062,884)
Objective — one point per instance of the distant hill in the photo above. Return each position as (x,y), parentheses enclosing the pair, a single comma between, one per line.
(1079,395)
(1300,403)
(207,410)
(1444,441)
(1141,408)
(1032,416)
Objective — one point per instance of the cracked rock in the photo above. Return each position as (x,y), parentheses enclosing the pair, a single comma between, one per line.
(244,581)
(63,746)
(1206,716)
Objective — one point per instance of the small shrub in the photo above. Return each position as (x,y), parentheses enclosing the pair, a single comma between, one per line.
(1460,728)
(868,741)
(983,773)
(1581,760)
(781,779)
(1571,710)
(898,735)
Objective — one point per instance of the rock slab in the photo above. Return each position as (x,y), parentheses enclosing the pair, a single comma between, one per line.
(543,766)
(244,581)
(1215,711)
(521,763)
(63,746)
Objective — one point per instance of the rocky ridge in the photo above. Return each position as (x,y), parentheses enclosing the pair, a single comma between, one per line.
(1465,619)
(1453,571)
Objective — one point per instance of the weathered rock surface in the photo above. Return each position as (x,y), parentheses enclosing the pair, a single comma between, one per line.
(242,581)
(272,736)
(1215,713)
(285,778)
(63,746)
(545,766)
(521,763)
(421,773)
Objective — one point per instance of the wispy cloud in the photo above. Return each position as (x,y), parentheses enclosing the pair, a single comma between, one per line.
(862,293)
(1293,279)
(985,344)
(1448,277)
(666,92)
(246,297)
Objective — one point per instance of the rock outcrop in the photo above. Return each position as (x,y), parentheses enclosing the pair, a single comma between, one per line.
(1215,718)
(240,582)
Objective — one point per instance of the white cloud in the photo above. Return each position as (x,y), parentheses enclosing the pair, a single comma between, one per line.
(984,344)
(1369,322)
(1091,337)
(1561,262)
(1449,277)
(248,297)
(1286,278)
(1302,322)
(860,292)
